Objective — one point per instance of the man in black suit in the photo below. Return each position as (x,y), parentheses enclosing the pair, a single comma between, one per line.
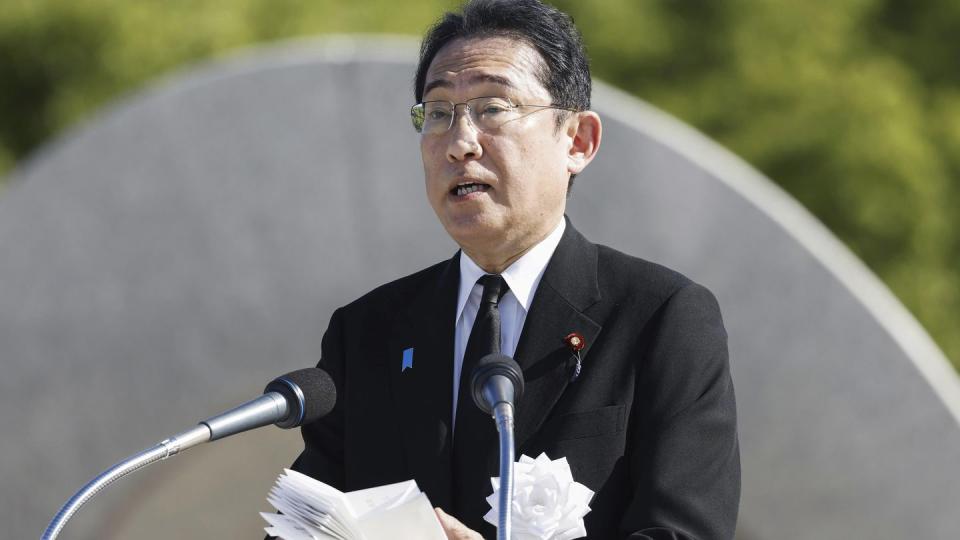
(645,416)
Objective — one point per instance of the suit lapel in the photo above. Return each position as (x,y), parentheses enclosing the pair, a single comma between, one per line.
(568,287)
(423,392)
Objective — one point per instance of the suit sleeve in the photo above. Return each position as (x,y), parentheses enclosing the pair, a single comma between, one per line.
(685,462)
(322,457)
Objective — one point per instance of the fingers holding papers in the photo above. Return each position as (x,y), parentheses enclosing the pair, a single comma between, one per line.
(454,529)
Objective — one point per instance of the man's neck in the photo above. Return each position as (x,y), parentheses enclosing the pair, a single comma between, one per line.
(496,263)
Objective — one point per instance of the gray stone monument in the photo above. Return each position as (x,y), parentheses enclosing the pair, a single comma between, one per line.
(165,260)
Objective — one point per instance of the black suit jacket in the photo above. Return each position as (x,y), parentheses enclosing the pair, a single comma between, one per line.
(649,425)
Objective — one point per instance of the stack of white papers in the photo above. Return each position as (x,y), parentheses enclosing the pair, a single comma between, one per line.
(313,510)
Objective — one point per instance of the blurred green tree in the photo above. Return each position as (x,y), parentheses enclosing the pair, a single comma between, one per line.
(853,106)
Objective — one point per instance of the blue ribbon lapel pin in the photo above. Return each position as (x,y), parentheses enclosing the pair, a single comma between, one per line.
(407,362)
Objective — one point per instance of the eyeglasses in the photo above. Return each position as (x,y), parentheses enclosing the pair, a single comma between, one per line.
(486,113)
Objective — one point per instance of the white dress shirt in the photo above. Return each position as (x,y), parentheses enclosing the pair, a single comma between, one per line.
(523,277)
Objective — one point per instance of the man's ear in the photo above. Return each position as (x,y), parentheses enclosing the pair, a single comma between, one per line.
(584,130)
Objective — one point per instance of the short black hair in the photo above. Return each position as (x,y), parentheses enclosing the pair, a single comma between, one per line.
(566,70)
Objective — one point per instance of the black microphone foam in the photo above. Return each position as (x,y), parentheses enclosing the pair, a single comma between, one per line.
(310,393)
(490,366)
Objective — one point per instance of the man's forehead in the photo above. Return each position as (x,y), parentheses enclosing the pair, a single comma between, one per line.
(506,61)
(470,80)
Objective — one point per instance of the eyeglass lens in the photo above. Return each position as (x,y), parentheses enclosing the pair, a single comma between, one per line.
(486,113)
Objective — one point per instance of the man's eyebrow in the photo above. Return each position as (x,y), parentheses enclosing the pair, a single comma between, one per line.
(496,79)
(479,78)
(436,83)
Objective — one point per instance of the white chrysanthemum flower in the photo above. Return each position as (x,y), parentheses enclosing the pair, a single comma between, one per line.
(547,503)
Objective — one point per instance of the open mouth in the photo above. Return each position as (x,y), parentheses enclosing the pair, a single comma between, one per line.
(466,189)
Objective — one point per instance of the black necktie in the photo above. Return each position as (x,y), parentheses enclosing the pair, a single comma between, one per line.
(475,435)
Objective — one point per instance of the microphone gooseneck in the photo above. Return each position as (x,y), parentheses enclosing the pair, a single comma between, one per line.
(496,384)
(296,398)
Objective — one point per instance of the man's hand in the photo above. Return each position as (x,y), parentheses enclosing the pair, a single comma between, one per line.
(454,529)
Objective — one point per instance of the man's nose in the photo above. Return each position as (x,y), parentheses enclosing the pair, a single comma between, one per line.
(463,138)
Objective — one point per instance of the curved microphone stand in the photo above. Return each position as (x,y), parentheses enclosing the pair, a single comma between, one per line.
(163,450)
(503,414)
(289,401)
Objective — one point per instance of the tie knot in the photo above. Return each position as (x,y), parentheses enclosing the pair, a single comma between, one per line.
(494,287)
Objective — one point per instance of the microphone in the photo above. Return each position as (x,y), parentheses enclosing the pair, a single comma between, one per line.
(294,399)
(496,384)
(497,378)
(291,400)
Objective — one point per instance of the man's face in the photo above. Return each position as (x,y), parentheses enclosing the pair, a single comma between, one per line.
(521,167)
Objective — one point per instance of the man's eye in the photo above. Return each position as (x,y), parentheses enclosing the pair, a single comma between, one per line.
(438,114)
(494,108)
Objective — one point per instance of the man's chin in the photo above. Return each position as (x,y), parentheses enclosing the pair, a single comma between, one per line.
(472,236)
(475,233)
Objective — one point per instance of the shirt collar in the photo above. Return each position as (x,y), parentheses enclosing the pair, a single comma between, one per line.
(522,276)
